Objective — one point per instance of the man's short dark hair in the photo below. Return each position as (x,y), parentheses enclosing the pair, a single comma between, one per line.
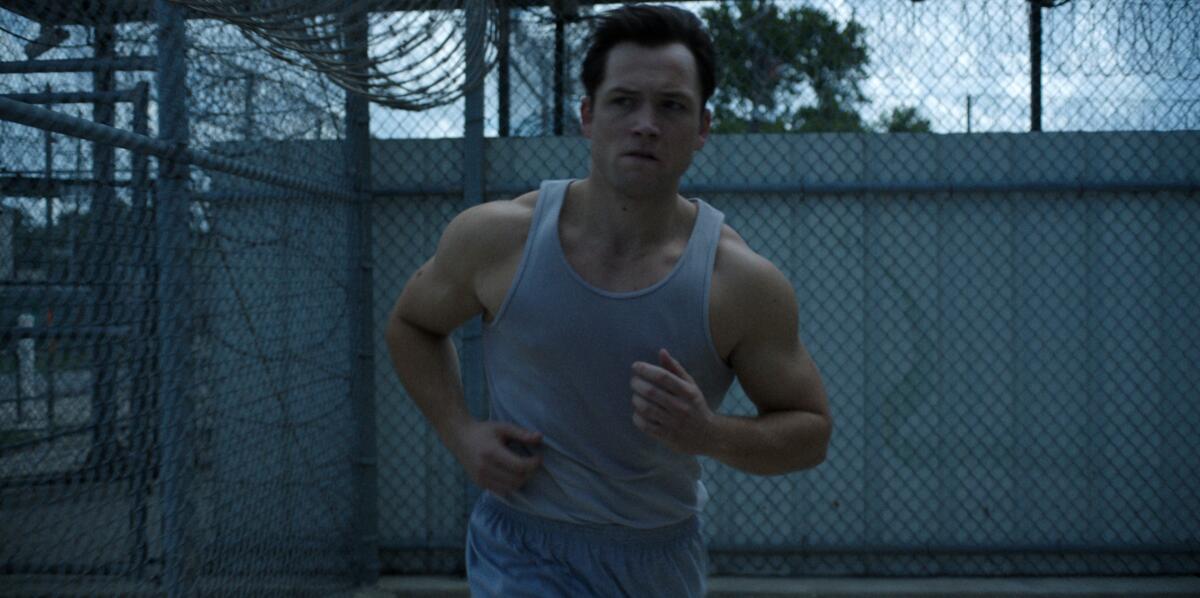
(652,26)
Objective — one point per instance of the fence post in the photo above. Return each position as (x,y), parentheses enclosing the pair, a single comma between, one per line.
(104,454)
(474,192)
(1035,66)
(503,87)
(362,341)
(143,362)
(172,253)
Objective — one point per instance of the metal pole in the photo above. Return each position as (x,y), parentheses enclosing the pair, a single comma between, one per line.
(172,245)
(474,192)
(78,65)
(48,173)
(141,162)
(100,98)
(800,187)
(560,59)
(248,95)
(504,31)
(968,113)
(104,451)
(1035,65)
(143,359)
(26,114)
(362,338)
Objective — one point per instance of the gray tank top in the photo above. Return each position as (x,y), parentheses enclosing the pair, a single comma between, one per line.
(558,358)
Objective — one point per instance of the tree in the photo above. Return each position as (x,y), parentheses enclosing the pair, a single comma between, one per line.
(792,70)
(772,60)
(905,119)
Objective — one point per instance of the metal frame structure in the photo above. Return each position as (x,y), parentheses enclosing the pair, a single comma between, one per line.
(169,372)
(46,187)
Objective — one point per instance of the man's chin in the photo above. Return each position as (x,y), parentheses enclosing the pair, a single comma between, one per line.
(638,183)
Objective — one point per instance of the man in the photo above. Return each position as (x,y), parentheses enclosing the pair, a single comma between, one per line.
(617,314)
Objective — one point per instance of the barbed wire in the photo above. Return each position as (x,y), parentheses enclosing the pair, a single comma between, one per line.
(1156,38)
(419,52)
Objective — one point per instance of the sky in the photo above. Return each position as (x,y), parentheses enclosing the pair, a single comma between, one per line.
(1107,65)
(1101,65)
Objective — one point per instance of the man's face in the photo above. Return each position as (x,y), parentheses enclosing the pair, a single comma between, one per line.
(646,120)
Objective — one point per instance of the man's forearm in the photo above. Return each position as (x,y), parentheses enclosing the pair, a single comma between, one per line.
(427,365)
(771,444)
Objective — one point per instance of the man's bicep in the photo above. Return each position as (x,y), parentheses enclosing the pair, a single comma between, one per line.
(441,294)
(436,298)
(771,362)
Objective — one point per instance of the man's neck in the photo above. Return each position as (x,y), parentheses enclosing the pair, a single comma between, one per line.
(623,225)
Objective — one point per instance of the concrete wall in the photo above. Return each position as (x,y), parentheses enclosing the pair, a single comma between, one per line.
(1008,368)
(830,159)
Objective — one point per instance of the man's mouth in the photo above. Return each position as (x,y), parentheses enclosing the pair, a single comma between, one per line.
(642,155)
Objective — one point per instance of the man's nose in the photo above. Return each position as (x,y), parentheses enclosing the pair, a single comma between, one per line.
(645,122)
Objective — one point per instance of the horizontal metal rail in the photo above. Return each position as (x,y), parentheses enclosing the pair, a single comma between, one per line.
(802,188)
(33,116)
(236,197)
(77,97)
(23,186)
(72,333)
(956,550)
(79,65)
(948,187)
(876,550)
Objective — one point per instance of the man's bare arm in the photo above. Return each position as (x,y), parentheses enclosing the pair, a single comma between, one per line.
(439,297)
(793,425)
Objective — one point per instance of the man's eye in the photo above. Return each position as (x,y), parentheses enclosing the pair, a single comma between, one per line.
(622,101)
(673,106)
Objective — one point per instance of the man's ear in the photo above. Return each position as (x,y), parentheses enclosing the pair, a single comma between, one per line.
(705,127)
(585,116)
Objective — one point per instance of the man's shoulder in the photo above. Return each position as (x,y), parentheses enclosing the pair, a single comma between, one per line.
(491,227)
(501,213)
(750,296)
(745,282)
(739,266)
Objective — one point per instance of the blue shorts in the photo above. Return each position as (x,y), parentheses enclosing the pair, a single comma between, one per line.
(512,553)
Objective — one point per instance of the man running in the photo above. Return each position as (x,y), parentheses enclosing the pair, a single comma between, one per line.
(616,315)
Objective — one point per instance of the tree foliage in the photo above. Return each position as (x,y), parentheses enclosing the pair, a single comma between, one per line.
(904,120)
(789,70)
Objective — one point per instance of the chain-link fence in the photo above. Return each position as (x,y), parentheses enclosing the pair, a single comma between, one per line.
(176,408)
(1005,320)
(194,390)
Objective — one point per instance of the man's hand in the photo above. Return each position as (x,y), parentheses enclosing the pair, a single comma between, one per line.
(668,405)
(492,454)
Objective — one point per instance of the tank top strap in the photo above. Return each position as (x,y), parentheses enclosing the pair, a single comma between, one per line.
(702,250)
(549,205)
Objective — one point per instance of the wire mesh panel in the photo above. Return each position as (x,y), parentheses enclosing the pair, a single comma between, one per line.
(986,210)
(423,496)
(175,406)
